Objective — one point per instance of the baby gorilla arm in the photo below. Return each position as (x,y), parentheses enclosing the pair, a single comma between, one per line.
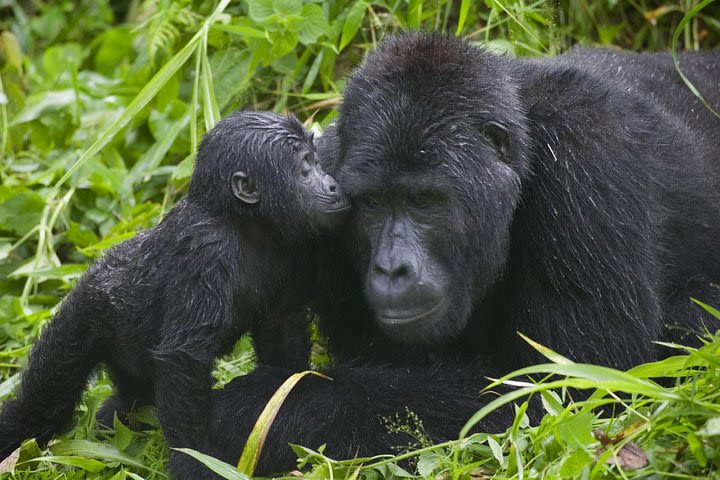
(197,328)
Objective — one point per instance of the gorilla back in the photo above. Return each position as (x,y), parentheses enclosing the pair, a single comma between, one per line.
(573,199)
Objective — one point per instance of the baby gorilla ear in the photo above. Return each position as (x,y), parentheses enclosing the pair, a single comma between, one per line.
(499,136)
(244,188)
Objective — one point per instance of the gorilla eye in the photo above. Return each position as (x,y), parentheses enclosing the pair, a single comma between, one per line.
(422,199)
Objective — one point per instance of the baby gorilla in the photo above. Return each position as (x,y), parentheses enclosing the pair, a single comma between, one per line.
(235,255)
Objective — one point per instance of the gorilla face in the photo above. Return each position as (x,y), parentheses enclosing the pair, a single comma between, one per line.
(429,242)
(434,181)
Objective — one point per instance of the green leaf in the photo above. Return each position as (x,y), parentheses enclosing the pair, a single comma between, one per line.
(185,168)
(253,447)
(147,93)
(669,367)
(711,428)
(243,30)
(676,61)
(88,464)
(62,59)
(428,462)
(259,10)
(155,154)
(64,272)
(285,8)
(497,451)
(583,376)
(577,429)
(462,17)
(313,24)
(697,448)
(500,46)
(575,463)
(221,468)
(102,451)
(211,111)
(546,352)
(40,103)
(712,311)
(123,435)
(282,44)
(352,23)
(551,403)
(20,209)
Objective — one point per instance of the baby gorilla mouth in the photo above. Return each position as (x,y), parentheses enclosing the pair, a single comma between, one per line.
(339,203)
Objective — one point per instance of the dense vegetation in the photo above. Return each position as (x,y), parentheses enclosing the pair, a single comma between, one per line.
(101,108)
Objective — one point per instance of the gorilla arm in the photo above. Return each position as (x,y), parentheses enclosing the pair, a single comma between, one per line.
(349,413)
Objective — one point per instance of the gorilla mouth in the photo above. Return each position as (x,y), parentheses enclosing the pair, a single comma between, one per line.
(395,318)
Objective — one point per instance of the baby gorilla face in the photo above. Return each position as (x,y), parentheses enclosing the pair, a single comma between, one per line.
(325,199)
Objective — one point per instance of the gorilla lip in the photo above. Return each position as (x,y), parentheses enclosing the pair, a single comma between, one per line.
(405,320)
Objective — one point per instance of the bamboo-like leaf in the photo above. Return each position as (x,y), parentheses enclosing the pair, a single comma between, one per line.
(96,450)
(221,468)
(146,94)
(546,352)
(711,310)
(253,447)
(464,8)
(92,466)
(674,44)
(353,20)
(211,112)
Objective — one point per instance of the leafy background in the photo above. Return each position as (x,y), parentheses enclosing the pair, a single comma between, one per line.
(101,108)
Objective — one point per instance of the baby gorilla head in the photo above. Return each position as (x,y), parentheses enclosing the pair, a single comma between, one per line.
(262,165)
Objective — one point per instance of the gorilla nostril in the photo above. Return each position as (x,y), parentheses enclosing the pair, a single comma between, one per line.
(401,272)
(333,187)
(378,270)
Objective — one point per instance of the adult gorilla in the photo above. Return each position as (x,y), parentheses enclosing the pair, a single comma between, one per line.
(574,199)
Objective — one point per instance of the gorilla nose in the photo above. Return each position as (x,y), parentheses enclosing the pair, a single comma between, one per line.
(330,186)
(391,278)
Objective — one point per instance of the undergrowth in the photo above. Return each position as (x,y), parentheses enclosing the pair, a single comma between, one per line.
(102,105)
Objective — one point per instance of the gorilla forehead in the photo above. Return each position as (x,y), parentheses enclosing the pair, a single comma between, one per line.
(416,106)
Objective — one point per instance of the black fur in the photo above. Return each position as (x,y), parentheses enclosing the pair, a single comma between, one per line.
(159,309)
(574,199)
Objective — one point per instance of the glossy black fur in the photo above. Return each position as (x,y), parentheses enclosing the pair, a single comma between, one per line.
(613,222)
(158,309)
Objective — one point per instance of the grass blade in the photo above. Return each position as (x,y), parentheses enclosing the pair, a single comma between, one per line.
(464,8)
(546,352)
(221,468)
(674,44)
(253,447)
(712,311)
(146,94)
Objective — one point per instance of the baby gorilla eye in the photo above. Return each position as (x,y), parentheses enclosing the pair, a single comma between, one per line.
(305,169)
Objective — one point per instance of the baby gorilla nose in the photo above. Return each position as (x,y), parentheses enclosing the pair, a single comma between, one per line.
(329,185)
(331,201)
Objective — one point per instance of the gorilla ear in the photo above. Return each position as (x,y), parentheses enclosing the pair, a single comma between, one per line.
(244,188)
(499,136)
